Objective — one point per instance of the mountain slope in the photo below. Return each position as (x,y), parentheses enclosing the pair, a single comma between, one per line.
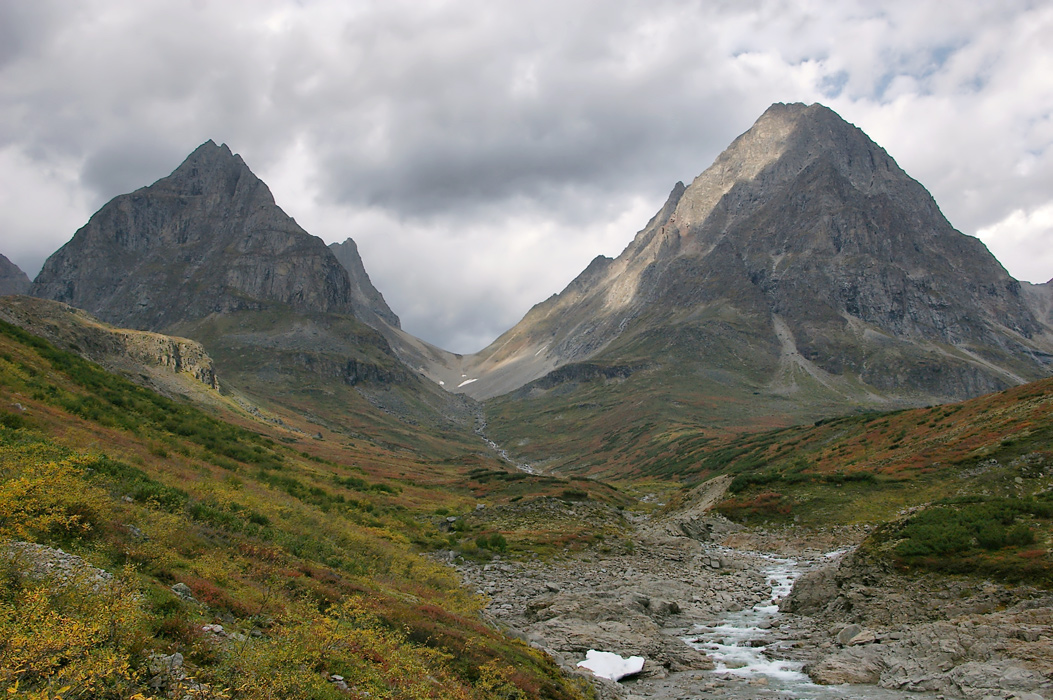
(168,365)
(151,549)
(12,279)
(802,275)
(811,234)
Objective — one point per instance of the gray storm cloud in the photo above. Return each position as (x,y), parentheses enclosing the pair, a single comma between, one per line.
(482,153)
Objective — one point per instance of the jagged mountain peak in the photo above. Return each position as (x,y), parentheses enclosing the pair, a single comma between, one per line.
(786,141)
(206,239)
(12,279)
(805,248)
(368,302)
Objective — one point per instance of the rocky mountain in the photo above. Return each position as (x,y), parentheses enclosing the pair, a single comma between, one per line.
(207,254)
(368,303)
(207,239)
(804,257)
(12,279)
(1039,298)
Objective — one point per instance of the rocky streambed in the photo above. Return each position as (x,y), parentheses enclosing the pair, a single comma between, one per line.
(718,619)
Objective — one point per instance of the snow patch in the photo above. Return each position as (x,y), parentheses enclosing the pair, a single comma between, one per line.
(608,665)
(467,382)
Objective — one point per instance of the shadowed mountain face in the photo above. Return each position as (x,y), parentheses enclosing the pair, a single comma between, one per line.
(205,253)
(367,301)
(804,254)
(12,279)
(206,239)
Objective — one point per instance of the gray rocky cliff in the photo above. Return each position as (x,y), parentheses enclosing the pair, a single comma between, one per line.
(12,279)
(367,301)
(206,239)
(1040,298)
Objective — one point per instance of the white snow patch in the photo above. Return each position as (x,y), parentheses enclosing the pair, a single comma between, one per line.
(442,383)
(541,350)
(466,382)
(608,665)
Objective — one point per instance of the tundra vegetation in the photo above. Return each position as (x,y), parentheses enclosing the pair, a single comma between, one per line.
(308,563)
(306,552)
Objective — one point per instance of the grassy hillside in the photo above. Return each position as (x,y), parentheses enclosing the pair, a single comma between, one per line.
(958,488)
(337,373)
(608,416)
(304,551)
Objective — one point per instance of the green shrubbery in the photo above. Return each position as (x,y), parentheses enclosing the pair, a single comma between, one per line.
(957,528)
(307,581)
(1000,538)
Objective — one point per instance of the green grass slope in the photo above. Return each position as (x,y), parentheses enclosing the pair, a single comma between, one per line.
(304,551)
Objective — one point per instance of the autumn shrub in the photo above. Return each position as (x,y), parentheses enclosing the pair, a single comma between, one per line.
(50,501)
(82,635)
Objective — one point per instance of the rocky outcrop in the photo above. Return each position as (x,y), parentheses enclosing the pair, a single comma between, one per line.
(12,279)
(950,636)
(368,303)
(118,349)
(207,239)
(55,567)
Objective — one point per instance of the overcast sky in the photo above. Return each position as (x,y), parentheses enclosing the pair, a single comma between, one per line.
(482,152)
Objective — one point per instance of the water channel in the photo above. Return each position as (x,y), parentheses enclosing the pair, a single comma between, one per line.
(743,646)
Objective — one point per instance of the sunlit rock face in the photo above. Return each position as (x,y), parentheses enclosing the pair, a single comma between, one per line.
(803,250)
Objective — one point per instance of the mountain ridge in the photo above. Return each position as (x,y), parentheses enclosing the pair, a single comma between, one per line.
(735,236)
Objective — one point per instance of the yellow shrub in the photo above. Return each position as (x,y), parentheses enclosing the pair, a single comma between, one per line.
(50,499)
(80,635)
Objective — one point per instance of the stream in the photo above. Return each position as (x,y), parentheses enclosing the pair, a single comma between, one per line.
(743,646)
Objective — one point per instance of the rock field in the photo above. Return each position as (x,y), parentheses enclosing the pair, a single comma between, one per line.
(846,621)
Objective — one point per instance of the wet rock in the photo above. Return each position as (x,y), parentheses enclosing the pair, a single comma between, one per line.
(854,665)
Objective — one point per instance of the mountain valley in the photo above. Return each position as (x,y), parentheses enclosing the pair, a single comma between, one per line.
(798,373)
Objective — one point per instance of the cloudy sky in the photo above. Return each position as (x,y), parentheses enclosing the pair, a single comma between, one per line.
(481,152)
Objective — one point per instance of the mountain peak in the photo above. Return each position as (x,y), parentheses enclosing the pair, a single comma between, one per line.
(206,239)
(12,279)
(368,302)
(804,248)
(781,144)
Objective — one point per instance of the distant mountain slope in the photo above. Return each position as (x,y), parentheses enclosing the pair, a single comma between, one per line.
(164,363)
(1040,298)
(828,258)
(368,303)
(12,279)
(206,239)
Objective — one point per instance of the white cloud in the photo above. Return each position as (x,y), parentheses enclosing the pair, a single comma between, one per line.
(482,153)
(1025,237)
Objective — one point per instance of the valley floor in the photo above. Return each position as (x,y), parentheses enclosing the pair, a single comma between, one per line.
(706,618)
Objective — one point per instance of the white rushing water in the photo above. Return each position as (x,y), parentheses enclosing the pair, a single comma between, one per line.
(741,644)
